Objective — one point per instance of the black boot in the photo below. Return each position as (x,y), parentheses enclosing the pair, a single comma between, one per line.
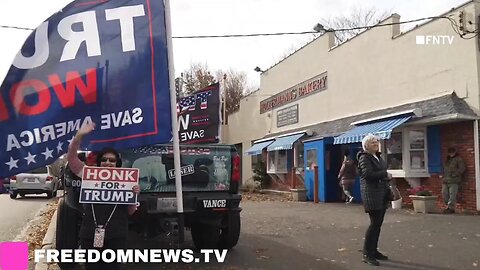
(370,260)
(380,256)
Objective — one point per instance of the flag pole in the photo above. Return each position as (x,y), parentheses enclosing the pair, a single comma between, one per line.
(224,107)
(173,108)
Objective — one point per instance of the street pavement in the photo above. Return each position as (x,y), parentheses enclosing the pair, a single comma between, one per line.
(15,214)
(335,232)
(304,235)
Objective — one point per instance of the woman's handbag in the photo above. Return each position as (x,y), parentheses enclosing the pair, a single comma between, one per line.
(393,192)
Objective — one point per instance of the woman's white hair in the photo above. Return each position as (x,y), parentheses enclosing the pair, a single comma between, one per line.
(367,139)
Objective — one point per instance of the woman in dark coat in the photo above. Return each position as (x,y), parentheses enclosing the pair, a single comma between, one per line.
(374,181)
(113,219)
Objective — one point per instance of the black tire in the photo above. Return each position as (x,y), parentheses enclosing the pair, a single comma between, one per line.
(230,231)
(205,236)
(49,194)
(68,220)
(13,195)
(54,194)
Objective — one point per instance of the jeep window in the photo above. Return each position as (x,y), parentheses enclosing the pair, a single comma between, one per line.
(203,168)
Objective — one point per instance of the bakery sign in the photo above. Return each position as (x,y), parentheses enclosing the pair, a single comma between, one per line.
(306,88)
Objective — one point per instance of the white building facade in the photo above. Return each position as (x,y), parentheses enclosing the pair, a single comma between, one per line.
(419,98)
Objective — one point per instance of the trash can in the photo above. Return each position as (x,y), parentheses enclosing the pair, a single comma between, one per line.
(397,204)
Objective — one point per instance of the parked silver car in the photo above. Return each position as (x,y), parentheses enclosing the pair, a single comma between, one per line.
(4,185)
(38,181)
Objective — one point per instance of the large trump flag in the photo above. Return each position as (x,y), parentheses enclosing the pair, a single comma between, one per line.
(93,61)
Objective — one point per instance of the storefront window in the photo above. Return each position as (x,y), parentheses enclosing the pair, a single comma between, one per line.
(271,161)
(277,161)
(312,158)
(406,152)
(417,149)
(282,160)
(299,160)
(256,159)
(394,151)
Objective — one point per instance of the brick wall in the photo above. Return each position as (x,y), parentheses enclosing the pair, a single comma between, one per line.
(459,135)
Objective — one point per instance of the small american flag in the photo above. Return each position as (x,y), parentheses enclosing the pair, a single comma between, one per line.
(187,103)
(204,99)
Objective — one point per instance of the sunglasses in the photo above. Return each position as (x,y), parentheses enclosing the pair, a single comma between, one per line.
(111,160)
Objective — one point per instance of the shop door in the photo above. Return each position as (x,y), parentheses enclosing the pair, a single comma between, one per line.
(333,163)
(313,153)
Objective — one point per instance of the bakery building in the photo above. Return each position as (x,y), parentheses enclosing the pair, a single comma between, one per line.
(320,101)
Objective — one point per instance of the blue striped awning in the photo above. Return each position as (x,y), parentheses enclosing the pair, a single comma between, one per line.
(382,129)
(284,143)
(257,148)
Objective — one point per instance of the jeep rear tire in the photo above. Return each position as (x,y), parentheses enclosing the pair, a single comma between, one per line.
(230,231)
(205,236)
(13,195)
(67,231)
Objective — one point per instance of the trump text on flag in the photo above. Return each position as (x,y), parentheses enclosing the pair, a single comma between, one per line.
(94,61)
(109,185)
(199,116)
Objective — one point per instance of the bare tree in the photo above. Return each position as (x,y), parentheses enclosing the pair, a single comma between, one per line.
(235,87)
(196,77)
(358,17)
(199,76)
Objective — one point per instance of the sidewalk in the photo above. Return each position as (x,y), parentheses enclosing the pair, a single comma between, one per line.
(48,241)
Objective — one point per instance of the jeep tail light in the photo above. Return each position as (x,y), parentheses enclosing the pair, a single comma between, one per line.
(236,168)
(13,179)
(49,178)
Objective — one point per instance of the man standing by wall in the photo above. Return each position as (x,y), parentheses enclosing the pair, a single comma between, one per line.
(453,171)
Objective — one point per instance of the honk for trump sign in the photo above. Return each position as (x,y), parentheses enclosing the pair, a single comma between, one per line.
(109,185)
(93,61)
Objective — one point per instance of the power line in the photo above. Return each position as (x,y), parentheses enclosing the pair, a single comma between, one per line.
(313,32)
(16,27)
(452,22)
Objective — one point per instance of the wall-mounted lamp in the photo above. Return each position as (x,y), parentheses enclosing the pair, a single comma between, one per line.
(257,69)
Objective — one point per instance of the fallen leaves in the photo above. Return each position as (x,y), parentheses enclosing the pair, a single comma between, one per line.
(264,197)
(37,229)
(260,253)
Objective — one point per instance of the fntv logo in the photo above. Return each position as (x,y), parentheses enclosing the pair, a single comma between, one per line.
(14,256)
(434,40)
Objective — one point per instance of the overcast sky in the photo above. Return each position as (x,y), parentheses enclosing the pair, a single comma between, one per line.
(220,17)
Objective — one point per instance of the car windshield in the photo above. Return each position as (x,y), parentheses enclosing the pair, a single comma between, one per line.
(39,170)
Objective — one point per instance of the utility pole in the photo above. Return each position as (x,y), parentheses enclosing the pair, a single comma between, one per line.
(224,99)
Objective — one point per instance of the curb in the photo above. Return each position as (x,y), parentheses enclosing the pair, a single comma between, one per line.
(48,241)
(272,191)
